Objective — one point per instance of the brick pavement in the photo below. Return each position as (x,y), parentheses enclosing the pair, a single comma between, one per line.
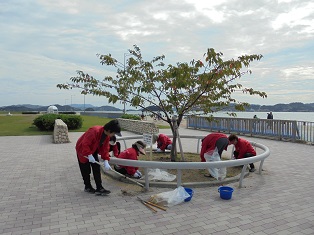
(42,193)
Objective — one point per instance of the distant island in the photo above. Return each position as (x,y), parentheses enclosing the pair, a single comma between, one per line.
(292,107)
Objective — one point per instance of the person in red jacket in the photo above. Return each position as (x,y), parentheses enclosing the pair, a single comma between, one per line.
(243,149)
(115,147)
(213,140)
(131,154)
(93,142)
(163,142)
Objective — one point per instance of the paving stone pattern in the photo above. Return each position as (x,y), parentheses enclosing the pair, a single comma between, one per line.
(42,193)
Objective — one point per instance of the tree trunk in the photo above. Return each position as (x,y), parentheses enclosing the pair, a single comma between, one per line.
(174,124)
(173,153)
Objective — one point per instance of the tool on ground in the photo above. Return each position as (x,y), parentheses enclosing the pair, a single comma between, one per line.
(134,181)
(150,204)
(125,177)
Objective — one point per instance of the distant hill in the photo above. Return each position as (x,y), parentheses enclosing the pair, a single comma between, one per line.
(81,106)
(106,108)
(76,107)
(292,107)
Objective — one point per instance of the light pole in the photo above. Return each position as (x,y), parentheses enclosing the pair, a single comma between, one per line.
(84,103)
(65,107)
(71,101)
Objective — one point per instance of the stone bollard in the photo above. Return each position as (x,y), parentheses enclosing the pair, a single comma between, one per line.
(60,132)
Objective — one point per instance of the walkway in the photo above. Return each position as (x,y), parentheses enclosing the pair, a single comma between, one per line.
(41,193)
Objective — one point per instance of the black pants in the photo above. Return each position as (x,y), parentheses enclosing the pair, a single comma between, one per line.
(221,144)
(86,170)
(121,170)
(236,154)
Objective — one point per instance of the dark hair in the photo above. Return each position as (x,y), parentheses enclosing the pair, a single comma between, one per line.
(232,137)
(113,126)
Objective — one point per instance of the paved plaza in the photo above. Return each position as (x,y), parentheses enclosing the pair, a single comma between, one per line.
(42,193)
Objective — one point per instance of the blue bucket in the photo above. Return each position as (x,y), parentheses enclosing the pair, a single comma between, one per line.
(190,192)
(225,192)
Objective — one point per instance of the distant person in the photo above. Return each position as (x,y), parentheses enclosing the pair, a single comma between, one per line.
(115,147)
(93,142)
(270,115)
(142,116)
(213,140)
(131,154)
(255,123)
(163,142)
(243,149)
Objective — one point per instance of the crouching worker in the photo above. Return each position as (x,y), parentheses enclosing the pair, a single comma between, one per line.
(131,154)
(93,142)
(243,149)
(212,141)
(163,142)
(115,147)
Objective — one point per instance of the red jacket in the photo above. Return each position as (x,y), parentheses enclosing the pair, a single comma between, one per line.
(88,143)
(209,143)
(129,154)
(163,141)
(243,146)
(115,150)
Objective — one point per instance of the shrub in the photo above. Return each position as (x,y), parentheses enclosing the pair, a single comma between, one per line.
(46,122)
(131,116)
(73,121)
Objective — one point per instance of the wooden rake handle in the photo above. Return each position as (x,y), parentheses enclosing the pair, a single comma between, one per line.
(149,206)
(153,204)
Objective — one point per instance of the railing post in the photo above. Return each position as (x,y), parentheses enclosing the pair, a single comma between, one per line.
(294,131)
(242,175)
(179,176)
(146,178)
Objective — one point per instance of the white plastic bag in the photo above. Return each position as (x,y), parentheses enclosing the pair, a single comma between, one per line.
(213,156)
(160,175)
(170,198)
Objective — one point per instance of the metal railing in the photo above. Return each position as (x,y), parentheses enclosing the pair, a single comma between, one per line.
(291,130)
(179,166)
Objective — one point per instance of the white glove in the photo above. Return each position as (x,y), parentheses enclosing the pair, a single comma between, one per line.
(137,175)
(159,150)
(107,166)
(91,159)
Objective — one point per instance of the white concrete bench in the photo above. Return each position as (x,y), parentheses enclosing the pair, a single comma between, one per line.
(60,132)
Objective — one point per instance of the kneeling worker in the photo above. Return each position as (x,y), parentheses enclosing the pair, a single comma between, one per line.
(163,142)
(243,149)
(131,154)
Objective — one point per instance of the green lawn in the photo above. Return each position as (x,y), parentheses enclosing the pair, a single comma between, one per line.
(21,124)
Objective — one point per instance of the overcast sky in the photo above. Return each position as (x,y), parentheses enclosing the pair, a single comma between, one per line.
(45,42)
